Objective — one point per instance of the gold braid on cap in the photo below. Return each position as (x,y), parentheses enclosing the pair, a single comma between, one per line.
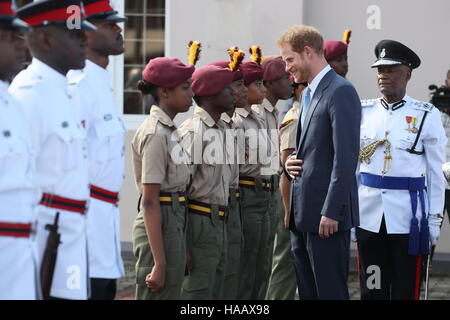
(195,48)
(256,53)
(236,59)
(346,36)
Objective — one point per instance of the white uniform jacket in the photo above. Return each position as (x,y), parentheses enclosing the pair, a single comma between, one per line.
(19,197)
(105,131)
(61,167)
(401,122)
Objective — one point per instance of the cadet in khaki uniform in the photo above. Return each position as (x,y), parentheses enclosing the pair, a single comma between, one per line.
(282,285)
(162,175)
(254,182)
(279,86)
(234,225)
(202,137)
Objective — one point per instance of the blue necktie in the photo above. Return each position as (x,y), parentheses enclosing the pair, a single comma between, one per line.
(306,100)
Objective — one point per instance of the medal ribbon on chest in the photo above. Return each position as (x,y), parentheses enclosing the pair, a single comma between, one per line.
(412,120)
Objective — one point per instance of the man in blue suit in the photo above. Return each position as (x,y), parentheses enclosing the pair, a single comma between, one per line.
(324,195)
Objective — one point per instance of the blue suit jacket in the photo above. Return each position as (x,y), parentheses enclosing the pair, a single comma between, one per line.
(329,147)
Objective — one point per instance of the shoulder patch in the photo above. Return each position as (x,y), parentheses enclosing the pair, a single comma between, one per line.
(285,123)
(425,106)
(368,102)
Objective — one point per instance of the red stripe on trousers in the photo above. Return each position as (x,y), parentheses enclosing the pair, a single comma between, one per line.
(418,277)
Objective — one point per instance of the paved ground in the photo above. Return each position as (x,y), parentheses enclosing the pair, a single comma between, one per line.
(439,286)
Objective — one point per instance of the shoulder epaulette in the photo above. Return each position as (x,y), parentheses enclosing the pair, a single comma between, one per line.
(285,123)
(151,127)
(425,106)
(368,102)
(30,84)
(257,108)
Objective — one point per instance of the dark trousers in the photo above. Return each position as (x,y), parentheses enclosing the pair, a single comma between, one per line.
(103,289)
(387,271)
(321,265)
(447,203)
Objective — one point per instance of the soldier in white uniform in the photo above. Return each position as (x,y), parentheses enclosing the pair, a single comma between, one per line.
(57,138)
(401,184)
(105,131)
(18,191)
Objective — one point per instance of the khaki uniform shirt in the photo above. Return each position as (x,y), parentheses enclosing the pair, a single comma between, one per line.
(288,128)
(203,140)
(270,116)
(157,154)
(232,151)
(249,126)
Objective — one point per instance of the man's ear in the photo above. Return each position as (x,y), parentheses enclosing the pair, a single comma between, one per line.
(408,74)
(4,35)
(45,41)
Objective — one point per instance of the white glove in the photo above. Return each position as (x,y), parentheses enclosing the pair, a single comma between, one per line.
(353,234)
(434,224)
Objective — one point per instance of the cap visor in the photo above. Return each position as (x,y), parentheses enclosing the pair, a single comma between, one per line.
(87,26)
(20,24)
(385,62)
(107,17)
(115,18)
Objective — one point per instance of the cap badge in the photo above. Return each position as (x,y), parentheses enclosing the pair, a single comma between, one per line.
(383,53)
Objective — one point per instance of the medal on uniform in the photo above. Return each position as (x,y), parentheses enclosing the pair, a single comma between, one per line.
(408,121)
(414,123)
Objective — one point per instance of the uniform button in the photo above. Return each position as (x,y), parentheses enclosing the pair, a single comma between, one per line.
(390,112)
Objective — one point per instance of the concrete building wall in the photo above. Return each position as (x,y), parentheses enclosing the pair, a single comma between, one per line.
(421,25)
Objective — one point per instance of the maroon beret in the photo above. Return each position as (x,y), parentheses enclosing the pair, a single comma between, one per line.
(210,80)
(333,49)
(167,72)
(252,72)
(238,74)
(274,68)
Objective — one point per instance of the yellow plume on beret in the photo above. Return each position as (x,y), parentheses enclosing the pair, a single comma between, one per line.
(232,50)
(236,59)
(346,37)
(256,54)
(194,52)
